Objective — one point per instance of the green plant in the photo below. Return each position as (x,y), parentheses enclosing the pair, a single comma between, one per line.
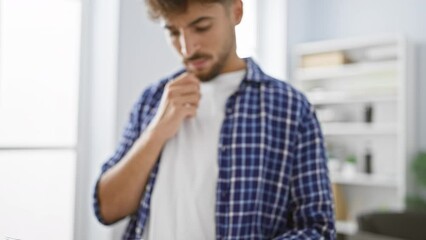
(419,168)
(351,159)
(418,202)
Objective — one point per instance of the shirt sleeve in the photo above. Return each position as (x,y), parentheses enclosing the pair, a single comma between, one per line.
(311,212)
(130,135)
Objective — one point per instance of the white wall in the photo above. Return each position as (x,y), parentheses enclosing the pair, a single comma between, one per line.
(144,56)
(272,37)
(323,19)
(97,109)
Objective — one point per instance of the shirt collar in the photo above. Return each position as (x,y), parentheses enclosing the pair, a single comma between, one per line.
(253,71)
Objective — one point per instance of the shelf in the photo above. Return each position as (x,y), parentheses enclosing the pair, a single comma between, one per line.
(346,227)
(325,100)
(346,129)
(348,70)
(374,72)
(346,44)
(362,179)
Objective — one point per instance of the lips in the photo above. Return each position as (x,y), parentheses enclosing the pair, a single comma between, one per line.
(198,64)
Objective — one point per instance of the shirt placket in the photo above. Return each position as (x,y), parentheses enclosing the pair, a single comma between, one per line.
(224,162)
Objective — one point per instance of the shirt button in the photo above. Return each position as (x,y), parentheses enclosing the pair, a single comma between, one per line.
(229,110)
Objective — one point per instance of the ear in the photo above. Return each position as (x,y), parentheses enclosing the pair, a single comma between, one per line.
(237,11)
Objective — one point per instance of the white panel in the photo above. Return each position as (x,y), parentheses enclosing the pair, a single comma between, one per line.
(97,108)
(246,31)
(272,37)
(37,194)
(39,57)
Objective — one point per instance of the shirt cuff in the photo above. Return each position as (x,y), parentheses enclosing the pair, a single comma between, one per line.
(97,203)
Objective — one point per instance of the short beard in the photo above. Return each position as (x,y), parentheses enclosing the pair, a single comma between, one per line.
(216,68)
(214,72)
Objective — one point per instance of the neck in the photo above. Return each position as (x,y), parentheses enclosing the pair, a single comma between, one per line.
(234,63)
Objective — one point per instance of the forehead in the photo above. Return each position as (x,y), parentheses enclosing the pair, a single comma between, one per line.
(193,12)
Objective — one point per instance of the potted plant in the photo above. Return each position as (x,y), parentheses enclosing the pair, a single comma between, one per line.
(350,166)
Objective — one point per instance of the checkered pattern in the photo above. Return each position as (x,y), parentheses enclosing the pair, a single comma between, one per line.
(273,181)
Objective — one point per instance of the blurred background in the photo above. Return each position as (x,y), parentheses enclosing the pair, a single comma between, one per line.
(70,71)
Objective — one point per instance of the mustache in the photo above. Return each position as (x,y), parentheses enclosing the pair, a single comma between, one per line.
(196,56)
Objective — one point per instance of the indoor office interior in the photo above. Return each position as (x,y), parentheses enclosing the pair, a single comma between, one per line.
(70,71)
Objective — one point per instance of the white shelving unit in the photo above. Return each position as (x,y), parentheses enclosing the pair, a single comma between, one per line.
(348,227)
(318,73)
(364,100)
(362,179)
(346,129)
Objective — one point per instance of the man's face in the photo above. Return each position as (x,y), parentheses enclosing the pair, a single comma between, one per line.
(204,37)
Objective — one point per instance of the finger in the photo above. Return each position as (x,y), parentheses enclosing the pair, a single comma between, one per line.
(184,90)
(185,78)
(188,99)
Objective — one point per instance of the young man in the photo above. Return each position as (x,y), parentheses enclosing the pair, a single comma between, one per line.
(218,150)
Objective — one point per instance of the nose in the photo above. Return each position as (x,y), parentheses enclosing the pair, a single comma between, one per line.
(188,44)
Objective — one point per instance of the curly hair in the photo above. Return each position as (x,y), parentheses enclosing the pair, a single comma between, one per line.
(161,8)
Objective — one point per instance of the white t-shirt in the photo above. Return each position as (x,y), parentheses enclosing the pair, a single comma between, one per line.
(184,196)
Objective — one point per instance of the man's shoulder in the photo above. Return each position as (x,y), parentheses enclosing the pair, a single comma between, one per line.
(286,96)
(284,89)
(280,88)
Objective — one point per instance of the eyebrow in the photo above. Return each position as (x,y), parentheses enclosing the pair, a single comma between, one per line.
(195,22)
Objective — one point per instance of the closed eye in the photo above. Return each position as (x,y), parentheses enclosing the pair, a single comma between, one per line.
(202,29)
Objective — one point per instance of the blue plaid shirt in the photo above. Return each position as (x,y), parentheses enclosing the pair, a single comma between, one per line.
(273,181)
